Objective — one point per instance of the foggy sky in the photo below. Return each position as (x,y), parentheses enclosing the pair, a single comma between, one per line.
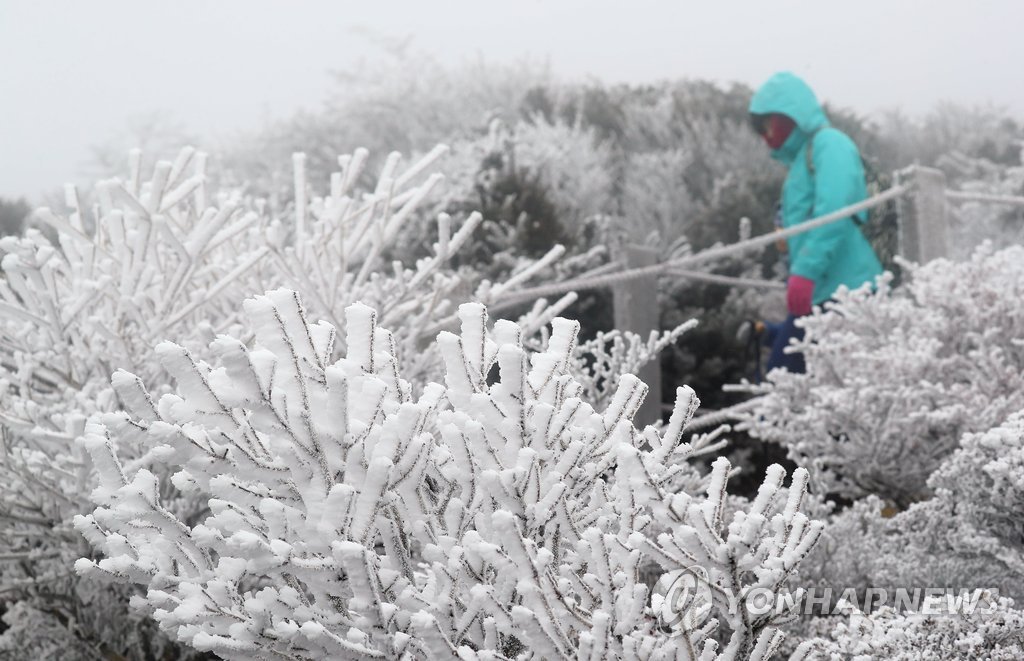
(75,72)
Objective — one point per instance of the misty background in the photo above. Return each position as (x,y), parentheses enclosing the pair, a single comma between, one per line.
(85,79)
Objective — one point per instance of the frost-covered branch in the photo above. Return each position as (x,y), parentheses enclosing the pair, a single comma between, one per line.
(350,514)
(752,557)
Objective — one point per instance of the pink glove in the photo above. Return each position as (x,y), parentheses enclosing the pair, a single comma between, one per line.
(799,295)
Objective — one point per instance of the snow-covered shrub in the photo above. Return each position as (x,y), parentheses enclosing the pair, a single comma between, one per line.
(574,164)
(754,554)
(169,257)
(966,538)
(602,360)
(408,102)
(993,631)
(351,514)
(984,133)
(967,535)
(971,223)
(976,517)
(172,257)
(656,209)
(539,181)
(894,379)
(898,379)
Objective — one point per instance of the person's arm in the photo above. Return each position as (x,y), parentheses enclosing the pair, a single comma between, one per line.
(837,171)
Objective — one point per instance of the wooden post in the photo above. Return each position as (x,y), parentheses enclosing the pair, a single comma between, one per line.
(636,310)
(923,216)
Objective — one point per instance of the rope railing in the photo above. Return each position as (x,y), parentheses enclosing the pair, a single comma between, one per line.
(583,284)
(964,196)
(926,203)
(727,280)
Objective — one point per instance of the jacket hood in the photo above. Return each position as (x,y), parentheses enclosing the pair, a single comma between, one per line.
(787,94)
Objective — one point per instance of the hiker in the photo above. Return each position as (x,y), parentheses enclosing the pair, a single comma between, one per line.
(825,174)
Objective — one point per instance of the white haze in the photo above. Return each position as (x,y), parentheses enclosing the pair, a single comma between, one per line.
(75,72)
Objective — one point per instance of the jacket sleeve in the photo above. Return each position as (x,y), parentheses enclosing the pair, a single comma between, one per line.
(837,173)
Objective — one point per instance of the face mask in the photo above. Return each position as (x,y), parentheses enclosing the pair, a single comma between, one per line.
(777,129)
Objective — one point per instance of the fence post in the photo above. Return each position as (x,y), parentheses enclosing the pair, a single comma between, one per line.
(923,216)
(636,310)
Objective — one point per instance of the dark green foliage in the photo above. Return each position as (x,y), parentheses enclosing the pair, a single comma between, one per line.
(516,197)
(523,220)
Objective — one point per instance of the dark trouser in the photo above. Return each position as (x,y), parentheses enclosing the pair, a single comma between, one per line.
(777,336)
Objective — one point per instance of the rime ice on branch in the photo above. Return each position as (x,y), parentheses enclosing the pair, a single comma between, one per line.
(152,259)
(754,553)
(144,258)
(348,515)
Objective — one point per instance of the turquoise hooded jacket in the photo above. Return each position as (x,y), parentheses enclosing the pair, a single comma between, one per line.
(836,254)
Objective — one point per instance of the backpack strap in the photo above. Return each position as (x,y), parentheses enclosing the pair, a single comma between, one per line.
(809,153)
